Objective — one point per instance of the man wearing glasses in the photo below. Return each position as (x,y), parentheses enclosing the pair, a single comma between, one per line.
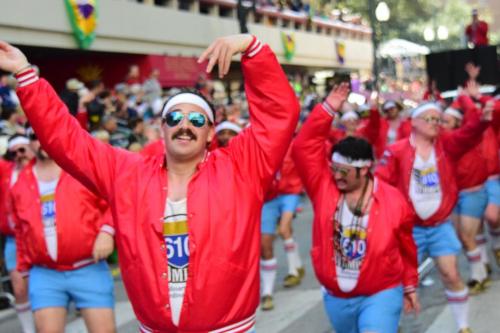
(363,251)
(187,223)
(423,168)
(20,154)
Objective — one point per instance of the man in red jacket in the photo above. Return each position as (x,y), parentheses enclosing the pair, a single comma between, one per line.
(62,242)
(363,252)
(187,222)
(477,31)
(20,152)
(423,168)
(281,204)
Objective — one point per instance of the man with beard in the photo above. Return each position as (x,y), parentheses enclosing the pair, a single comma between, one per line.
(423,168)
(225,131)
(63,235)
(20,152)
(188,221)
(363,252)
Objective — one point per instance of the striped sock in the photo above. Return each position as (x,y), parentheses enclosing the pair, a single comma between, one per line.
(481,244)
(25,317)
(477,268)
(459,305)
(292,255)
(268,275)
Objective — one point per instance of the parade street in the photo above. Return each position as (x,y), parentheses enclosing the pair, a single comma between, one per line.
(300,309)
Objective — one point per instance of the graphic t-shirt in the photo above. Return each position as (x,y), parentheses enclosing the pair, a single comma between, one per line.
(48,206)
(175,232)
(353,243)
(425,188)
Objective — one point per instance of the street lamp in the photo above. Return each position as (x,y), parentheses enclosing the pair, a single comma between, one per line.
(380,13)
(429,35)
(442,32)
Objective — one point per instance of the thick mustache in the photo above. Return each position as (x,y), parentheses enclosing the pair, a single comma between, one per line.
(184,131)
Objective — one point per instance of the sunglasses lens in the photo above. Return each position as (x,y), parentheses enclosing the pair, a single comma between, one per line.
(173,118)
(197,119)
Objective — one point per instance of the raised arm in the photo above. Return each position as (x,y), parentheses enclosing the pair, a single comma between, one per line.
(309,148)
(274,112)
(85,158)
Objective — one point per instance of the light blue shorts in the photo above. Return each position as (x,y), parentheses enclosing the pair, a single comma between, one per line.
(376,313)
(9,253)
(437,241)
(89,287)
(272,210)
(493,189)
(472,204)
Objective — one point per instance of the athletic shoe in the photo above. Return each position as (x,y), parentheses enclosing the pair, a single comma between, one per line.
(291,281)
(465,330)
(496,252)
(475,287)
(302,272)
(266,303)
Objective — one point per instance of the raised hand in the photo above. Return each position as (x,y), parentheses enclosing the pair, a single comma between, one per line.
(338,95)
(11,58)
(222,50)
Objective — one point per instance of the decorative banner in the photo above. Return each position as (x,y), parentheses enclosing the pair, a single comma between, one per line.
(83,18)
(288,45)
(340,49)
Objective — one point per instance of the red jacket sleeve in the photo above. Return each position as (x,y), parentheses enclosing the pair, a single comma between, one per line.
(23,263)
(88,160)
(274,113)
(371,129)
(460,141)
(387,167)
(309,150)
(408,250)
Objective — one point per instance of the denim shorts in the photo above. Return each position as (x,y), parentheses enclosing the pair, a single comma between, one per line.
(272,211)
(437,241)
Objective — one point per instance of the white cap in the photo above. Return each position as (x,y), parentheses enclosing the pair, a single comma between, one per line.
(389,105)
(454,112)
(227,125)
(349,115)
(424,108)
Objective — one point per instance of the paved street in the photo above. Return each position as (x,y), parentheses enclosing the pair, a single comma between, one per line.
(300,310)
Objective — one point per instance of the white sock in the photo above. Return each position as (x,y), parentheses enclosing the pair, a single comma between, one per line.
(459,305)
(495,238)
(292,254)
(25,317)
(268,275)
(477,268)
(481,244)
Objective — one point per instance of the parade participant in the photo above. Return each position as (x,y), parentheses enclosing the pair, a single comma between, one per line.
(62,243)
(187,222)
(18,150)
(472,171)
(363,252)
(423,168)
(281,204)
(477,31)
(225,131)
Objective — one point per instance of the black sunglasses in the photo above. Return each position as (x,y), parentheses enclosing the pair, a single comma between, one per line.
(174,118)
(21,150)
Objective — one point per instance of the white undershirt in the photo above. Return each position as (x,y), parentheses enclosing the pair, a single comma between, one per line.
(425,188)
(175,232)
(347,278)
(48,206)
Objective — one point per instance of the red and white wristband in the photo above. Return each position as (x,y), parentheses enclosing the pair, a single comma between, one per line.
(108,229)
(254,48)
(409,289)
(329,109)
(26,77)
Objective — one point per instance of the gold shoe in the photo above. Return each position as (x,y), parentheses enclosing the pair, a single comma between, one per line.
(465,330)
(267,303)
(291,281)
(496,252)
(475,287)
(301,272)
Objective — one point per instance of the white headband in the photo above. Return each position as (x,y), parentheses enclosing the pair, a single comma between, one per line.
(424,108)
(20,140)
(454,112)
(349,115)
(189,98)
(341,159)
(227,125)
(389,105)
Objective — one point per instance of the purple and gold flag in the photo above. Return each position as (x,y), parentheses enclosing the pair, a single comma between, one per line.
(83,18)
